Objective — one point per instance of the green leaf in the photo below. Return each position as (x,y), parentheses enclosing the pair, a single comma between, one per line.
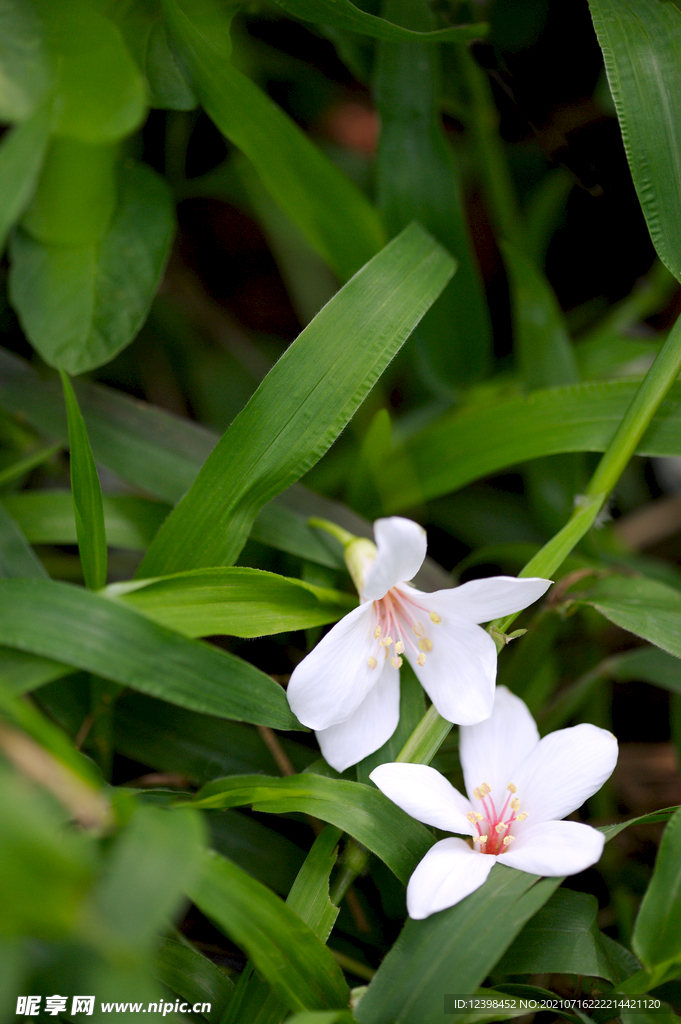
(459,447)
(639,43)
(309,898)
(100,93)
(345,15)
(25,66)
(299,968)
(610,831)
(80,628)
(417,179)
(47,517)
(22,467)
(646,664)
(17,558)
(156,857)
(400,841)
(563,938)
(21,155)
(80,305)
(21,672)
(234,601)
(657,933)
(645,607)
(303,403)
(192,976)
(462,943)
(311,190)
(322,1017)
(87,494)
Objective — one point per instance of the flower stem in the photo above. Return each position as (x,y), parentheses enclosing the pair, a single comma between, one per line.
(334,529)
(426,739)
(623,445)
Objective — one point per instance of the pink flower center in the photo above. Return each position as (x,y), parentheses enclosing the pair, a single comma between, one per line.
(398,615)
(494,826)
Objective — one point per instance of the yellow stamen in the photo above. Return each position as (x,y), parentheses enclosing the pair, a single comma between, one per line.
(418,629)
(471,817)
(477,793)
(396,662)
(386,641)
(486,788)
(421,660)
(434,617)
(507,840)
(399,647)
(515,804)
(512,788)
(521,817)
(478,816)
(425,644)
(372,663)
(479,839)
(377,632)
(501,827)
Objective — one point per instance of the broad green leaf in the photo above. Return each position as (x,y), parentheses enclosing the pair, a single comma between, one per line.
(311,190)
(646,664)
(80,305)
(87,494)
(417,179)
(322,1017)
(82,629)
(657,933)
(76,194)
(37,845)
(645,607)
(563,938)
(460,447)
(144,32)
(155,858)
(100,93)
(26,70)
(303,403)
(47,517)
(232,601)
(345,15)
(263,852)
(360,810)
(639,43)
(299,968)
(21,155)
(462,943)
(194,977)
(17,558)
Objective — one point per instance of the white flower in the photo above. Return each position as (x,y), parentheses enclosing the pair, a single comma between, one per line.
(518,787)
(347,688)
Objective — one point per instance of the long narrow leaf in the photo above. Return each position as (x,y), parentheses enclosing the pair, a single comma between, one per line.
(303,403)
(285,951)
(87,494)
(360,810)
(345,15)
(82,629)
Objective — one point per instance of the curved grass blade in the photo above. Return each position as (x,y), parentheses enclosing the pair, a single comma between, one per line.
(303,403)
(83,629)
(345,15)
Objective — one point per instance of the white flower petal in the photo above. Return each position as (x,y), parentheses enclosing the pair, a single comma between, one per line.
(555,848)
(492,750)
(424,794)
(372,724)
(333,680)
(459,672)
(564,770)
(448,872)
(487,599)
(401,546)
